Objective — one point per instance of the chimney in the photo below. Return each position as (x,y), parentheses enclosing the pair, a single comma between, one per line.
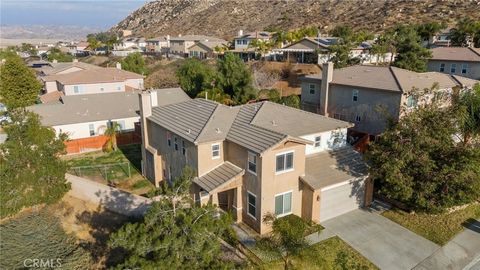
(119,65)
(327,76)
(154,98)
(145,111)
(75,60)
(240,32)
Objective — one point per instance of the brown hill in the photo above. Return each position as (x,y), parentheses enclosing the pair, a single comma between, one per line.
(225,17)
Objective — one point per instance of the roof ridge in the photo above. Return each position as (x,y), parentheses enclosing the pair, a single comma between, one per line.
(391,68)
(474,51)
(208,121)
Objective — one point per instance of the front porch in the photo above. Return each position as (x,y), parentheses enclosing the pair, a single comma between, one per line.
(221,186)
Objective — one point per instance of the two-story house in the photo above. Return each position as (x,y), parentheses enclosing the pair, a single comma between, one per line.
(254,159)
(158,44)
(242,43)
(180,45)
(462,61)
(369,95)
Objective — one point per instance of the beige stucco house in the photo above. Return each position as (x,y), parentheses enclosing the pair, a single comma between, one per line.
(254,159)
(462,61)
(180,45)
(368,95)
(206,49)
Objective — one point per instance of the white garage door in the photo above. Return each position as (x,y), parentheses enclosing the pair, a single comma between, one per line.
(341,198)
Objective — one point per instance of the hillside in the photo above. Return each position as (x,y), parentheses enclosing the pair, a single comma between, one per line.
(224,18)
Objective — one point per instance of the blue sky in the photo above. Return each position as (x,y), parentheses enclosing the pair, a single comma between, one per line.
(90,13)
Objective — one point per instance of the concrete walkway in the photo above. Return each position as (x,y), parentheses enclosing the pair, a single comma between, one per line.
(382,241)
(462,252)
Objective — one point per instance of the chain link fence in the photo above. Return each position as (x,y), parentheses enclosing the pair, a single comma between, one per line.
(111,172)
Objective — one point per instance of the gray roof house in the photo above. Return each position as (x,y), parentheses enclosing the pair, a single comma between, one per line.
(462,61)
(367,95)
(255,158)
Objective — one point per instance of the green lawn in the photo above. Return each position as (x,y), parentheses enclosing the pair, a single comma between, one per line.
(122,168)
(332,253)
(437,228)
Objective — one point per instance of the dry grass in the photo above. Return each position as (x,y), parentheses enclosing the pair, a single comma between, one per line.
(437,228)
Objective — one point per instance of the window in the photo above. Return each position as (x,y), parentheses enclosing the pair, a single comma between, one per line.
(102,89)
(355,95)
(411,102)
(283,204)
(92,129)
(453,68)
(244,42)
(175,140)
(311,87)
(76,89)
(184,150)
(239,42)
(169,139)
(119,88)
(121,124)
(215,151)
(284,162)
(252,163)
(317,141)
(358,118)
(252,204)
(464,68)
(442,67)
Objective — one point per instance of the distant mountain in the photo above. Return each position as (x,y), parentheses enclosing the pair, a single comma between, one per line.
(225,17)
(59,32)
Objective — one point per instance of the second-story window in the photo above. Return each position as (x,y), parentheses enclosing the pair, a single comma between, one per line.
(76,89)
(311,87)
(169,139)
(284,162)
(318,140)
(464,68)
(358,118)
(91,128)
(184,150)
(355,95)
(215,151)
(252,162)
(244,42)
(239,42)
(442,67)
(453,68)
(175,140)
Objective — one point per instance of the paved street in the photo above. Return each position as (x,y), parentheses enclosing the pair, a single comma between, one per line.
(382,241)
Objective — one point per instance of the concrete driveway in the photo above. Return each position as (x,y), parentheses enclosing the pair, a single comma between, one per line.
(382,241)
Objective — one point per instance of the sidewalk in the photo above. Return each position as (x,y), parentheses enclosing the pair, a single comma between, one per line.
(462,252)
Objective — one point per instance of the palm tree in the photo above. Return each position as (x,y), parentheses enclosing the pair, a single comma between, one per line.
(93,43)
(428,30)
(468,107)
(111,133)
(261,46)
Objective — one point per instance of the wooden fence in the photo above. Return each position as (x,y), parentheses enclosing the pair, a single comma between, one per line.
(98,142)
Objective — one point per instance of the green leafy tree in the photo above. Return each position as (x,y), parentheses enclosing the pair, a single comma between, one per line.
(18,84)
(386,43)
(467,106)
(235,78)
(176,233)
(57,54)
(287,238)
(134,62)
(110,42)
(348,40)
(27,47)
(93,43)
(411,54)
(466,32)
(195,76)
(430,29)
(8,53)
(31,170)
(261,46)
(417,161)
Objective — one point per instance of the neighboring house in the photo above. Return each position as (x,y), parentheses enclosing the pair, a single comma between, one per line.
(367,95)
(441,39)
(78,49)
(317,50)
(93,81)
(463,61)
(127,51)
(130,42)
(158,44)
(88,116)
(180,45)
(254,159)
(242,43)
(55,67)
(206,49)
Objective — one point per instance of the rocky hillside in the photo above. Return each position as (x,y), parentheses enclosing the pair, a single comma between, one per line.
(225,17)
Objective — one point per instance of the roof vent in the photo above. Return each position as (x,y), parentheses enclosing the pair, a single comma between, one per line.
(217,130)
(189,131)
(274,123)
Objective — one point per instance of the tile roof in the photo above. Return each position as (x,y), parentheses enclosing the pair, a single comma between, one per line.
(100,75)
(391,78)
(456,54)
(256,35)
(218,176)
(99,107)
(332,167)
(194,38)
(55,68)
(211,44)
(248,125)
